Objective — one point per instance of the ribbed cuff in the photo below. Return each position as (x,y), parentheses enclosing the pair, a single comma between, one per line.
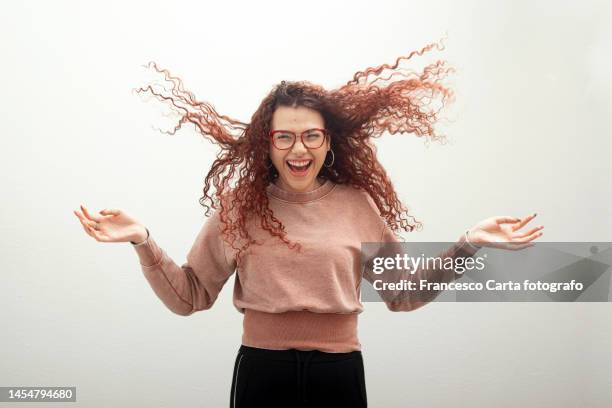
(466,247)
(148,252)
(467,238)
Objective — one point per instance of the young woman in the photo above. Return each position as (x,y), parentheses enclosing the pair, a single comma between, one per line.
(308,191)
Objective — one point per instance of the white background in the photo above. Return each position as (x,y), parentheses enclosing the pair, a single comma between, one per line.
(529,133)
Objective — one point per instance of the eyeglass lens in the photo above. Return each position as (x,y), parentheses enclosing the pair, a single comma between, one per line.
(312,139)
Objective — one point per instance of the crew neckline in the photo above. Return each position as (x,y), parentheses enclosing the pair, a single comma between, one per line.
(300,197)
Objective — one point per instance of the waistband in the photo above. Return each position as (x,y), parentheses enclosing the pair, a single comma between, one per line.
(313,356)
(301,330)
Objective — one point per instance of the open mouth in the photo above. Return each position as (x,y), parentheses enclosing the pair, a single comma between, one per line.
(299,167)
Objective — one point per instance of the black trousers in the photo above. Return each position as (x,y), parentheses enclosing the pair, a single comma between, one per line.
(297,378)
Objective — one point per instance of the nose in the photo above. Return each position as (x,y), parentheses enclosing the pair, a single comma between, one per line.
(298,147)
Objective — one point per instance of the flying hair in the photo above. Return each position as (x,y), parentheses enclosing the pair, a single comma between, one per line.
(387,99)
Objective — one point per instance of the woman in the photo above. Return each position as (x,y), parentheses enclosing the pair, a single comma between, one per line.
(309,191)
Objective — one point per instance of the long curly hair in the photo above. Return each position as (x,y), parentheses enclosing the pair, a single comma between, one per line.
(363,108)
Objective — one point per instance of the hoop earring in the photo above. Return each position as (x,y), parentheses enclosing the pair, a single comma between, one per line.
(333,159)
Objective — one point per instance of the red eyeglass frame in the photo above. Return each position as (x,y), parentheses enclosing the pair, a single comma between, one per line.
(272,132)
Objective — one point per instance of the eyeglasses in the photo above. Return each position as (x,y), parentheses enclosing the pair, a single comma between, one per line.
(285,139)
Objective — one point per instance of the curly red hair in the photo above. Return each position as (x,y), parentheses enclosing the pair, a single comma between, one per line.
(364,108)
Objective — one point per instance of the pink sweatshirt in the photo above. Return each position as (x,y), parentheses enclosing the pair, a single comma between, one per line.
(289,300)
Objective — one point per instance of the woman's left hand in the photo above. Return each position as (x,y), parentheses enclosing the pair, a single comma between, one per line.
(503,232)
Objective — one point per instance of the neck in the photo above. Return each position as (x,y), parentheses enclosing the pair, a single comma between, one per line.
(316,183)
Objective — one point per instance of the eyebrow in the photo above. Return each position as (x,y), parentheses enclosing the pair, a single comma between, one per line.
(305,130)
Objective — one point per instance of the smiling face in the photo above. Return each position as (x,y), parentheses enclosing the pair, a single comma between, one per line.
(297,120)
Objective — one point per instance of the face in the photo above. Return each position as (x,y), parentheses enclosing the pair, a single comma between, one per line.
(298,119)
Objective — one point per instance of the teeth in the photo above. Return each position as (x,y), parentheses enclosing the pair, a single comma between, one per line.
(299,163)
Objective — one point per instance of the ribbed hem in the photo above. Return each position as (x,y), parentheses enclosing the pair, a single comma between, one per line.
(303,330)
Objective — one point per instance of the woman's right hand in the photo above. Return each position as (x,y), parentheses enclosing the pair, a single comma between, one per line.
(112,225)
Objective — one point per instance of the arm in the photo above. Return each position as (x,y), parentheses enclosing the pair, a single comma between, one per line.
(408,300)
(195,285)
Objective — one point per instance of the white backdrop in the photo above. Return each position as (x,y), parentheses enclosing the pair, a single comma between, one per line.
(529,132)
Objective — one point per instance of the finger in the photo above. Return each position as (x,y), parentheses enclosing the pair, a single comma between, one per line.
(505,219)
(85,226)
(517,247)
(530,237)
(536,229)
(81,218)
(86,229)
(90,216)
(94,233)
(512,246)
(91,230)
(87,222)
(524,221)
(110,211)
(500,245)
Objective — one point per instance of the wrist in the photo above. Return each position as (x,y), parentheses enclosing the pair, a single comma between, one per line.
(141,236)
(468,240)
